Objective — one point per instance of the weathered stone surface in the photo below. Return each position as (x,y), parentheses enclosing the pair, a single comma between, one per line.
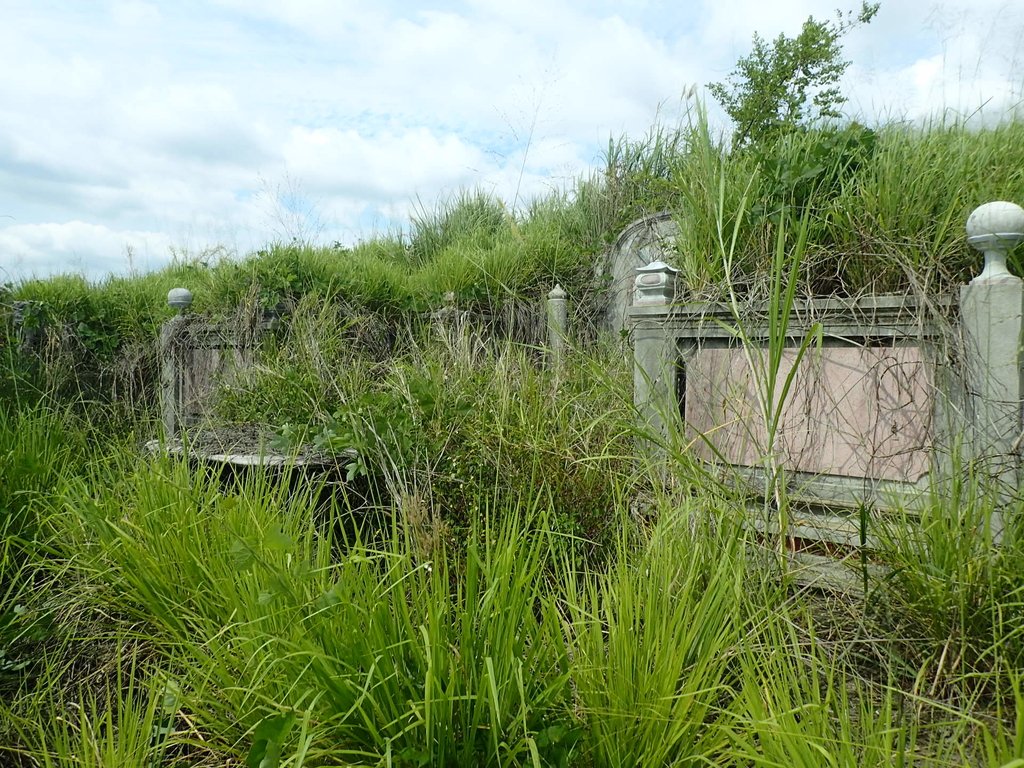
(558,325)
(857,412)
(196,358)
(245,445)
(651,238)
(865,407)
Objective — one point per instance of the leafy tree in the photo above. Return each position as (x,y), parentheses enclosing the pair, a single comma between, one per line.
(791,81)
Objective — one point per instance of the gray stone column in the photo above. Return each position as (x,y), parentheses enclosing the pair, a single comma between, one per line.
(992,318)
(558,326)
(171,361)
(654,356)
(444,318)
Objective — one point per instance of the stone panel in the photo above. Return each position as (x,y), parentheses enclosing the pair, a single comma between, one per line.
(858,412)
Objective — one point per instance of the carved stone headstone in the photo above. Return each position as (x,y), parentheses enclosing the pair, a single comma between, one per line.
(649,239)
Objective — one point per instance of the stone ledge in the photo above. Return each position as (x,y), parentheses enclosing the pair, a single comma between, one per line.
(245,445)
(266,459)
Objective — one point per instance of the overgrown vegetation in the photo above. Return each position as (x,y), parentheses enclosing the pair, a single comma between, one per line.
(785,87)
(156,614)
(495,576)
(885,209)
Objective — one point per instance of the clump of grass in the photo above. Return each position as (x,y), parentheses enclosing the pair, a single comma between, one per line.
(472,219)
(451,419)
(953,585)
(129,722)
(39,448)
(799,704)
(654,643)
(383,653)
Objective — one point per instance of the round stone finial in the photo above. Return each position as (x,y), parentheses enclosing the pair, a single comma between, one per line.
(557,293)
(995,220)
(179,298)
(995,229)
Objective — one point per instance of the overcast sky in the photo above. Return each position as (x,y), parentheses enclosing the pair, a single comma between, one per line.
(131,132)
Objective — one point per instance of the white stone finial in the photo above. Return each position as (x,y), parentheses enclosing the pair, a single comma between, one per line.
(179,298)
(558,292)
(655,284)
(995,229)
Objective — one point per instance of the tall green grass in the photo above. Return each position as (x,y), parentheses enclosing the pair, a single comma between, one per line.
(953,586)
(126,723)
(39,449)
(198,620)
(655,643)
(491,654)
(453,419)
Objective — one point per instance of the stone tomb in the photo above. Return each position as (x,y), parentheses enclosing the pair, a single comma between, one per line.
(869,402)
(855,413)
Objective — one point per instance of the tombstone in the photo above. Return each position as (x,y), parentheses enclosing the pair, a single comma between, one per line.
(196,358)
(646,240)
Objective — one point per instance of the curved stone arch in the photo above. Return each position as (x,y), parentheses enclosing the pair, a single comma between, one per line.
(642,241)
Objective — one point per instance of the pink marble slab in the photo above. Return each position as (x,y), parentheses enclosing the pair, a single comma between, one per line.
(851,411)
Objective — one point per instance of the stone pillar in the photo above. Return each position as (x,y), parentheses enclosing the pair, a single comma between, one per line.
(171,361)
(558,326)
(29,326)
(992,318)
(446,319)
(654,356)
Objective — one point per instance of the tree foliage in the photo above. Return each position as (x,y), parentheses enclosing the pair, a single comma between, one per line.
(789,82)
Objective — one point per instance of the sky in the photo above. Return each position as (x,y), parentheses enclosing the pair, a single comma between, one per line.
(133,133)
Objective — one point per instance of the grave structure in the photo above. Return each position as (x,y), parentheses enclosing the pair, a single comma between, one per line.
(197,358)
(648,239)
(864,403)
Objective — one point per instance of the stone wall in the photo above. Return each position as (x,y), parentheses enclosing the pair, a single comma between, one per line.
(864,400)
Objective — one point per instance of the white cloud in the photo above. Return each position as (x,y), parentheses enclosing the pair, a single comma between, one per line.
(158,123)
(330,159)
(727,26)
(132,15)
(193,123)
(78,247)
